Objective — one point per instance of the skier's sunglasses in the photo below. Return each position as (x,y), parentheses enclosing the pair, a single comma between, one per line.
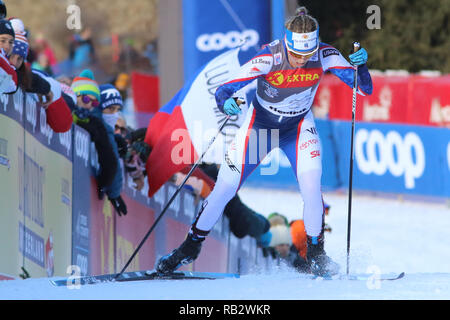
(299,56)
(86,99)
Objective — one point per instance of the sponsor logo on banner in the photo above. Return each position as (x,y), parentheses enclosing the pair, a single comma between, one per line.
(31,113)
(82,146)
(65,140)
(294,78)
(44,127)
(439,114)
(379,111)
(400,156)
(31,245)
(18,102)
(232,39)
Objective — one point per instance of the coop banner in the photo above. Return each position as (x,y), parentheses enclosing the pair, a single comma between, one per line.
(396,158)
(213,27)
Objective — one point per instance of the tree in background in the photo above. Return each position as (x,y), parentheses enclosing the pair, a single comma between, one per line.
(414,34)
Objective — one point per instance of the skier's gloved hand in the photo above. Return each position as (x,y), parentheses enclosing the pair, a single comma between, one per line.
(359,57)
(119,205)
(230,107)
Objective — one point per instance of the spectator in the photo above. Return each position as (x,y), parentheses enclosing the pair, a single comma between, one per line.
(122,83)
(87,92)
(284,251)
(111,104)
(42,47)
(121,127)
(137,155)
(293,250)
(81,50)
(8,75)
(58,113)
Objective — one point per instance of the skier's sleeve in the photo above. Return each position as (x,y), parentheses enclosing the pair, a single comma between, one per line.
(258,66)
(8,75)
(334,62)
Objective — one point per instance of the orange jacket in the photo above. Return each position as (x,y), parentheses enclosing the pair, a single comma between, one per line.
(298,234)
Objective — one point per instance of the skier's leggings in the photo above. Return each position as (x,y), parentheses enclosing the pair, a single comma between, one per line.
(252,143)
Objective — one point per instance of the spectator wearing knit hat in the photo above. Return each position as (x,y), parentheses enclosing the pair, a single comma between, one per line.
(282,246)
(108,112)
(88,115)
(58,114)
(86,89)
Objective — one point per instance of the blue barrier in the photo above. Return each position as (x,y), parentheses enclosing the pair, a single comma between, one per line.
(388,158)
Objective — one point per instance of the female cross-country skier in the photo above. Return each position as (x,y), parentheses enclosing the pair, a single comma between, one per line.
(288,72)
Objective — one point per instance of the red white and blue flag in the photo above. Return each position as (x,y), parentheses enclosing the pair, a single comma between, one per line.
(182,129)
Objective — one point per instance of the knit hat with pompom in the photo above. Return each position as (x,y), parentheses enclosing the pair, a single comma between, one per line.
(85,84)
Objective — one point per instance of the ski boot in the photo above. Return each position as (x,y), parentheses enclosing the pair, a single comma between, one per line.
(185,254)
(319,263)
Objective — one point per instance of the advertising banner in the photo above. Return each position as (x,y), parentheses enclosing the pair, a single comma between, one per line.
(213,27)
(81,225)
(413,99)
(11,182)
(36,175)
(396,158)
(430,101)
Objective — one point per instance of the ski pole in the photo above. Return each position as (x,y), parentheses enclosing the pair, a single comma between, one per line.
(174,195)
(356,47)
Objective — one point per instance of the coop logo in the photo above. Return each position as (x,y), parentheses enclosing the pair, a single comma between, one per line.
(401,156)
(82,146)
(219,41)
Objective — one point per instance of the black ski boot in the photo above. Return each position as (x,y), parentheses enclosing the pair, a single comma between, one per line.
(319,263)
(185,254)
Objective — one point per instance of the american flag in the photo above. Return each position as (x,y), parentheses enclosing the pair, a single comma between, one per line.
(20,45)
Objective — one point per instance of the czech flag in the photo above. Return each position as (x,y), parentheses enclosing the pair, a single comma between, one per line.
(182,129)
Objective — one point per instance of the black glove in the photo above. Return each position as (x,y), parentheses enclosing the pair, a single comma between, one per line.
(122,146)
(119,205)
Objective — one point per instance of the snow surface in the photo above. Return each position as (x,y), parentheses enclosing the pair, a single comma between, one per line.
(388,235)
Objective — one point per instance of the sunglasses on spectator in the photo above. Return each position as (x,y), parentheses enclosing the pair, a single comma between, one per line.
(86,99)
(123,130)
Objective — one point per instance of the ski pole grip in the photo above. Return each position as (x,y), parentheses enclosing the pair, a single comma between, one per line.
(356,46)
(238,101)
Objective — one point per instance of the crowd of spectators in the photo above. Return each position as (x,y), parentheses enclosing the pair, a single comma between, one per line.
(78,98)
